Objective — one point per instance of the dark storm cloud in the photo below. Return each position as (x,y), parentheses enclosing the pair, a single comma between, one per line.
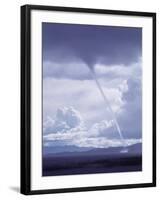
(91,43)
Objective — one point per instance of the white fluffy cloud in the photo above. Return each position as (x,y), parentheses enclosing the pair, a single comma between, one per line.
(68,128)
(83,96)
(66,119)
(130,117)
(72,86)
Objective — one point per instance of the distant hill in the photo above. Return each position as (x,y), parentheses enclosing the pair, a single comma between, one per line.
(64,149)
(74,150)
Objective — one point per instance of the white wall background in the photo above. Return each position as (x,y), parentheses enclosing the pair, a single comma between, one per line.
(10,99)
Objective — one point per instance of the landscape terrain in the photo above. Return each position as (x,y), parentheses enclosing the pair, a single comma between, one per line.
(71,160)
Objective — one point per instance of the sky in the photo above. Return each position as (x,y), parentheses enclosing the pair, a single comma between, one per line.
(72,103)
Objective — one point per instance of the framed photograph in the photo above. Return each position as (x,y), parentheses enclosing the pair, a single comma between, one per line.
(88,99)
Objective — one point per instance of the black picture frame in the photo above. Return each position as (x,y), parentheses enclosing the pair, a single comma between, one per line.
(26,98)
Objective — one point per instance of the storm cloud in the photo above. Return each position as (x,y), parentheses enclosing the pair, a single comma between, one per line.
(91,43)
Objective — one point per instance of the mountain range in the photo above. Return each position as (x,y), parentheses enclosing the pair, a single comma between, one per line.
(74,150)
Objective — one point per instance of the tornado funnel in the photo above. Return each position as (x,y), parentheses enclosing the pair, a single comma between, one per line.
(108,106)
